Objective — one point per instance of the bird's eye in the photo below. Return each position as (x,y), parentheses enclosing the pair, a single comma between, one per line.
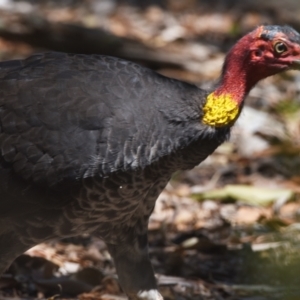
(280,47)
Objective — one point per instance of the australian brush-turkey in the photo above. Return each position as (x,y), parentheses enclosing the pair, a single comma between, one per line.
(88,142)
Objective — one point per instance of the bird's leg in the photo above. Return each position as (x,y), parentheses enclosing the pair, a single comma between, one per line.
(134,269)
(10,248)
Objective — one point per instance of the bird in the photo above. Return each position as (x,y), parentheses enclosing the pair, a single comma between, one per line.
(88,142)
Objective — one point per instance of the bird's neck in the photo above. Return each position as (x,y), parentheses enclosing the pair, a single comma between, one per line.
(224,104)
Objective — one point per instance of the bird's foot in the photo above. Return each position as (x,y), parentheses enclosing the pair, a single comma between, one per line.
(147,295)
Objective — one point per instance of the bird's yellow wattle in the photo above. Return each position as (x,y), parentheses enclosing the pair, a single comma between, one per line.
(220,110)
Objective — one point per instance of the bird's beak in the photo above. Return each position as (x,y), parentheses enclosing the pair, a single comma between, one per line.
(295,64)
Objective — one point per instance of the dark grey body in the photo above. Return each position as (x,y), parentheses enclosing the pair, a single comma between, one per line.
(87,144)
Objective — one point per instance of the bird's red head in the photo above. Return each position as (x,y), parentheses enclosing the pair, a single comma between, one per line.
(266,51)
(263,52)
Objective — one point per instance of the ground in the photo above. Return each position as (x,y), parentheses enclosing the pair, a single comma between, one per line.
(229,229)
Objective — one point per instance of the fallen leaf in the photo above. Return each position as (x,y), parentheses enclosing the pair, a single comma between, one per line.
(247,194)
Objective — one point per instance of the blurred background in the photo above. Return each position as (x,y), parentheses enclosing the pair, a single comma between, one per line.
(229,229)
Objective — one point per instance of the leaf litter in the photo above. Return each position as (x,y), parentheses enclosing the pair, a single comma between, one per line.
(241,241)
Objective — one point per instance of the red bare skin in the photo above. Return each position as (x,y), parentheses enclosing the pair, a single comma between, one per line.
(245,65)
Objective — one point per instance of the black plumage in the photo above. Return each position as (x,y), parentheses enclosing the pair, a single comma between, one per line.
(87,144)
